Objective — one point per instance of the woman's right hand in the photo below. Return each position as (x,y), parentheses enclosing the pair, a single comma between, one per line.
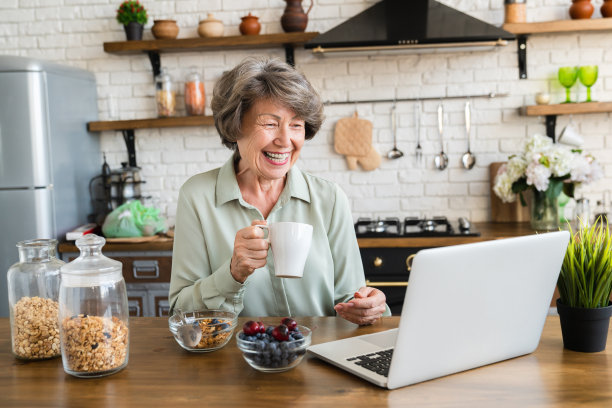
(250,251)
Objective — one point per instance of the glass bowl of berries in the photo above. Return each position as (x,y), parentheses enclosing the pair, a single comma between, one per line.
(273,348)
(204,330)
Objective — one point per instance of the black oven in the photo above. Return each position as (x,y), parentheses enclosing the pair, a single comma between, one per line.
(388,267)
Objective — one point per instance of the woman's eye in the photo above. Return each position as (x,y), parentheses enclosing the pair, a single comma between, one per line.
(298,125)
(270,124)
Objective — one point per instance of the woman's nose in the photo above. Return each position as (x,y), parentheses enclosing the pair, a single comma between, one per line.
(284,136)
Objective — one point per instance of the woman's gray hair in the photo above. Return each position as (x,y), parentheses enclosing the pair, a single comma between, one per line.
(256,79)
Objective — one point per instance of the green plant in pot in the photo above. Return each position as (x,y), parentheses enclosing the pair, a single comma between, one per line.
(585,285)
(133,16)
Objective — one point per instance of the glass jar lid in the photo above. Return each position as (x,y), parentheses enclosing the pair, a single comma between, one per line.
(91,268)
(193,75)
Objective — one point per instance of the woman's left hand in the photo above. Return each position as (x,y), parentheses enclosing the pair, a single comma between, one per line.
(366,307)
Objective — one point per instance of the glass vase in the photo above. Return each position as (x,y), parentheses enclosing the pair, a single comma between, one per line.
(544,212)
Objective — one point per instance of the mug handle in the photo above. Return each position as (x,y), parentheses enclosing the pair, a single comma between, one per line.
(265,227)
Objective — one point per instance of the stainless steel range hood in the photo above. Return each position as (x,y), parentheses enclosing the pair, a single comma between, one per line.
(409,25)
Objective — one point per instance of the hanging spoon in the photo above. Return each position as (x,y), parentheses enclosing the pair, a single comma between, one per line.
(441,160)
(468,159)
(394,153)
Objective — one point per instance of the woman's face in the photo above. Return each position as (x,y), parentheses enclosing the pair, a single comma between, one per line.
(271,140)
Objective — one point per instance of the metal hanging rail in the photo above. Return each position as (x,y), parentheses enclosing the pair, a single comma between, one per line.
(490,95)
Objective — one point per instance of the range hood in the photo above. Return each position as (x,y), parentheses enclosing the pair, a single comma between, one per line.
(409,24)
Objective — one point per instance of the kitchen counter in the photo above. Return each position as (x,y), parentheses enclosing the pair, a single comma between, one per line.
(160,373)
(488,231)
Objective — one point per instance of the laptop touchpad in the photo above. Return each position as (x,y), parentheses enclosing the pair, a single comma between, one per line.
(384,339)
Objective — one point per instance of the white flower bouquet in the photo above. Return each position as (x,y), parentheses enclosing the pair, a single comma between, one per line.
(546,167)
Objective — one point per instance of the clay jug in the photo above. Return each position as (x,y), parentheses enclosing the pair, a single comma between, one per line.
(581,9)
(606,8)
(294,19)
(250,25)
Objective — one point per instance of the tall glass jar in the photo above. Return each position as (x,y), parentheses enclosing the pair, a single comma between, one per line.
(165,94)
(33,290)
(195,97)
(93,312)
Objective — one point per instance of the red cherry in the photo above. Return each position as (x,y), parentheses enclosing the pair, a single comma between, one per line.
(250,328)
(281,333)
(262,327)
(290,323)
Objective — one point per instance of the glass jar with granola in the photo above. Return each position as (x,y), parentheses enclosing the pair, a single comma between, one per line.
(165,94)
(33,290)
(93,312)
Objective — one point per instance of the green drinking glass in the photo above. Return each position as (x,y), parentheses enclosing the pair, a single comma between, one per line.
(588,75)
(567,78)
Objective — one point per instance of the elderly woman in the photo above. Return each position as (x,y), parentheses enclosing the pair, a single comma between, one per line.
(264,110)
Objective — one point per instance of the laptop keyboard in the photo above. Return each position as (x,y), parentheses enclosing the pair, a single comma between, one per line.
(378,362)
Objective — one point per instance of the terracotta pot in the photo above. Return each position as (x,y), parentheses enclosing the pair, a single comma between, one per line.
(133,31)
(294,19)
(211,27)
(165,29)
(581,9)
(250,25)
(606,8)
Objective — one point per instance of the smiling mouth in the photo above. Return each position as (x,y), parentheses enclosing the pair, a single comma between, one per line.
(278,158)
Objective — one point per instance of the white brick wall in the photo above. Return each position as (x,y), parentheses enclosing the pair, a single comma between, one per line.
(72,32)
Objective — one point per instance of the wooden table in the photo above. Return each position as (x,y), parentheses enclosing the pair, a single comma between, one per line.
(161,374)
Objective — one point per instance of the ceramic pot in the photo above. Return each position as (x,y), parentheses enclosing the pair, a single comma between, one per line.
(581,9)
(294,19)
(165,29)
(211,27)
(606,8)
(250,25)
(133,31)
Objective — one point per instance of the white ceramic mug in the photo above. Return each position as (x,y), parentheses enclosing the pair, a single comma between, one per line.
(290,243)
(570,136)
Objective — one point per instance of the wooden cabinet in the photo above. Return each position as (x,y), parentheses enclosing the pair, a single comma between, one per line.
(146,270)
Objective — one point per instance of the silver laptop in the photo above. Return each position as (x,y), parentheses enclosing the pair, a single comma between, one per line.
(466,306)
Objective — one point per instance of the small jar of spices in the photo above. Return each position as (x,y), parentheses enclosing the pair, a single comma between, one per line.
(515,11)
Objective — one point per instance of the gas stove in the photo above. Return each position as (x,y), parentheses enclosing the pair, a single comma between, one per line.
(414,227)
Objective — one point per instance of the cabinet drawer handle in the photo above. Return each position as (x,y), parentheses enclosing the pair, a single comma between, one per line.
(409,262)
(148,269)
(384,284)
(378,262)
(134,308)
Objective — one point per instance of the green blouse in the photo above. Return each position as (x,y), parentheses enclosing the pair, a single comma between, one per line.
(210,212)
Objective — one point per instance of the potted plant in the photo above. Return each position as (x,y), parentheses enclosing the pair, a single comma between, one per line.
(133,16)
(547,168)
(585,285)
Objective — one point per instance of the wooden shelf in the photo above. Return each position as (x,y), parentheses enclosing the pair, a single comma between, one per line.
(202,44)
(559,26)
(568,108)
(179,121)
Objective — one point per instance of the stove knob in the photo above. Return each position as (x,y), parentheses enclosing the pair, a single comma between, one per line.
(378,262)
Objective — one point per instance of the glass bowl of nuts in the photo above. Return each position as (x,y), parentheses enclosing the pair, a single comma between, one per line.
(273,348)
(204,330)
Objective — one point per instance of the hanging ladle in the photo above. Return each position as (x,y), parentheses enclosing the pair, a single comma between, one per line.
(468,159)
(394,153)
(441,160)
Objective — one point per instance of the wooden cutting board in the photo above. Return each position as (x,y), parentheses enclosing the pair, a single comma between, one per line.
(506,212)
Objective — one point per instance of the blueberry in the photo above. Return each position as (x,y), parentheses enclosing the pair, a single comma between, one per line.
(214,321)
(269,330)
(222,326)
(298,336)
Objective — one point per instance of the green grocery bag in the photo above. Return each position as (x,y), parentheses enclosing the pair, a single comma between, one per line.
(132,219)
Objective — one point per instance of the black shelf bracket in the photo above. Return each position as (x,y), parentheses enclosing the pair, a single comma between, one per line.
(522,56)
(130,143)
(155,62)
(289,55)
(551,122)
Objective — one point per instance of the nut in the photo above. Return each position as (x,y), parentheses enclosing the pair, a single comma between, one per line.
(36,328)
(93,343)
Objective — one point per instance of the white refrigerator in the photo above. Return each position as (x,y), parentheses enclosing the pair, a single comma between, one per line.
(47,156)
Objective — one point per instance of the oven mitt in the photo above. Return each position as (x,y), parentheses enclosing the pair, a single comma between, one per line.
(353,138)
